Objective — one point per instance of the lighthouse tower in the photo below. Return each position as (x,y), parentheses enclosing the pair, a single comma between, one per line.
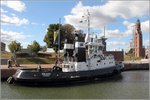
(138,48)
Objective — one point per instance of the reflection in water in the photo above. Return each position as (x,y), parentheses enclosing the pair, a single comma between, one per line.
(128,85)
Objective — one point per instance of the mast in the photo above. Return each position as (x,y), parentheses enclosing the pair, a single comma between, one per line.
(87,19)
(59,42)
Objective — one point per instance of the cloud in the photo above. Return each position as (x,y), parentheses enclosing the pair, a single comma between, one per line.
(130,26)
(126,9)
(146,43)
(145,26)
(116,43)
(34,23)
(3,11)
(13,19)
(43,24)
(103,14)
(24,44)
(97,18)
(7,36)
(15,5)
(117,33)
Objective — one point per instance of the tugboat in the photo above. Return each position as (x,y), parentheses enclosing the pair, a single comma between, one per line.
(83,60)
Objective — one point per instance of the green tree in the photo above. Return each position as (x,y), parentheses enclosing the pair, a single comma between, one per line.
(34,47)
(14,47)
(68,30)
(65,32)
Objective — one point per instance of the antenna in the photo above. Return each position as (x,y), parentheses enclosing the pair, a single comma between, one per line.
(104,31)
(88,19)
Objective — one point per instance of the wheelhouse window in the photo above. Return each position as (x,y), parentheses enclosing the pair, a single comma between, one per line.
(66,66)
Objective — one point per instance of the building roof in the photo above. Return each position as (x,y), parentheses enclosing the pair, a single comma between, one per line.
(2,43)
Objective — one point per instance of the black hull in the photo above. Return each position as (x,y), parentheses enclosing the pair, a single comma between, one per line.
(34,77)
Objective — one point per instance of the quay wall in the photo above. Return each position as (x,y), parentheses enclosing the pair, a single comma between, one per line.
(136,66)
(3,61)
(118,55)
(5,73)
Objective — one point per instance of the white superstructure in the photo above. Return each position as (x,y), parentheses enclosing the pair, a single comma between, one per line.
(94,57)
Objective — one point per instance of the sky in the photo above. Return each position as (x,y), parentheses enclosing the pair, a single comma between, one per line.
(28,20)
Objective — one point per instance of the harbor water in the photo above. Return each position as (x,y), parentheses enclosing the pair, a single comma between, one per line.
(128,85)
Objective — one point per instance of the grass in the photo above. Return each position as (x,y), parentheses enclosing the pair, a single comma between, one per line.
(36,60)
(41,58)
(129,58)
(5,55)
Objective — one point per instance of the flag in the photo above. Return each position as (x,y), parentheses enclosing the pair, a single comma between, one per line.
(56,37)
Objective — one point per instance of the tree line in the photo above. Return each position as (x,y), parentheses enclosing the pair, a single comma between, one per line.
(35,47)
(66,32)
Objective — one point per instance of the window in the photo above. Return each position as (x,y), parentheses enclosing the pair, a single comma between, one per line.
(66,66)
(91,39)
(98,60)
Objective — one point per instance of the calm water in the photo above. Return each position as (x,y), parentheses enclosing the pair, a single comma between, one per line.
(129,85)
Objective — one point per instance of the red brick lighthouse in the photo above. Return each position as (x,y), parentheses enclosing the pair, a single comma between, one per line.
(139,51)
